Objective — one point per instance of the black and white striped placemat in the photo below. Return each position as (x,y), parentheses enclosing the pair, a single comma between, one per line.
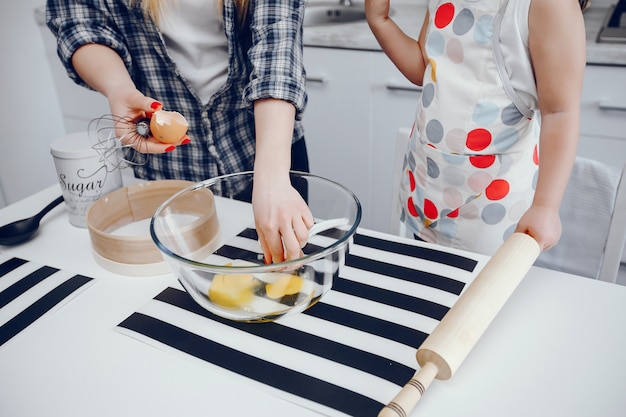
(29,290)
(350,353)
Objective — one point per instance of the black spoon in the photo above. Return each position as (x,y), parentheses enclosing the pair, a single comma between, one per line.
(22,230)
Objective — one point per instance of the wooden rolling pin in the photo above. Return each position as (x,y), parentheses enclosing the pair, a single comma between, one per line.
(446,347)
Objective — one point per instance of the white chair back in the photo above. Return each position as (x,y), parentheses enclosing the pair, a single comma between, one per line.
(593,215)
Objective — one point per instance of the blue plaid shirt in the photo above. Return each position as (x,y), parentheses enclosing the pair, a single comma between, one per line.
(265,60)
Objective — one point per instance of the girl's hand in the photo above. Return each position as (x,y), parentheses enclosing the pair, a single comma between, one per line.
(376,10)
(543,224)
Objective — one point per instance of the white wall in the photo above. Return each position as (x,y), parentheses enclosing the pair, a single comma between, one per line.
(29,113)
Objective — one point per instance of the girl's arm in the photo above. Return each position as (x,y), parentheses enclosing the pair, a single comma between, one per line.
(557,48)
(406,53)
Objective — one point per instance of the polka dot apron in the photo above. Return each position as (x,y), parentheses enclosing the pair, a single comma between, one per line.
(471,162)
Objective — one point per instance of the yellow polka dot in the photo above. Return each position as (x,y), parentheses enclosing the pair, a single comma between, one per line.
(433,69)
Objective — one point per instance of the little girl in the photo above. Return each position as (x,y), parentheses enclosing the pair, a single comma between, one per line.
(496,129)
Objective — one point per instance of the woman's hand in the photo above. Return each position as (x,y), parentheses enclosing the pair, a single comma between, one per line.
(104,71)
(282,218)
(132,105)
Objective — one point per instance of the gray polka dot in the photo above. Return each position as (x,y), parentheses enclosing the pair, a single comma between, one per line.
(493,213)
(435,44)
(453,176)
(434,131)
(410,160)
(447,227)
(463,22)
(428,94)
(506,162)
(506,139)
(508,232)
(433,169)
(511,115)
(485,113)
(419,194)
(483,29)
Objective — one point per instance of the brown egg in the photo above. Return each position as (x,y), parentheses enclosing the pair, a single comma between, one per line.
(168,126)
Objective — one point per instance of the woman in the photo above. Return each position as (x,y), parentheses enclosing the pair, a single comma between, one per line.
(232,68)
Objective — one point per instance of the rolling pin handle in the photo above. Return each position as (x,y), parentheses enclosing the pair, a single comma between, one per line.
(403,403)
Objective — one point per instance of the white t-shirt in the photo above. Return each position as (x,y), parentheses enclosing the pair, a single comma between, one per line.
(193,32)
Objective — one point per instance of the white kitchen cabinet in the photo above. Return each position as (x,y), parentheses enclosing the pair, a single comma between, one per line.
(357,102)
(393,102)
(603,115)
(336,120)
(78,104)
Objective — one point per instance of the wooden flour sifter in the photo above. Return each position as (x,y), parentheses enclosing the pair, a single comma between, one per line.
(446,347)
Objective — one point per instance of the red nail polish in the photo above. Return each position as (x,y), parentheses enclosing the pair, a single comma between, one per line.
(170,148)
(155,105)
(185,141)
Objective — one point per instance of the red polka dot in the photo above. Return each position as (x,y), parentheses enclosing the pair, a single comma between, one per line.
(444,15)
(482,161)
(478,139)
(430,210)
(497,190)
(536,155)
(411,180)
(454,214)
(411,207)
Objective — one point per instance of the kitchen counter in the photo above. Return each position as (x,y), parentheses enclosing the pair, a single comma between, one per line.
(358,35)
(409,17)
(556,347)
(601,53)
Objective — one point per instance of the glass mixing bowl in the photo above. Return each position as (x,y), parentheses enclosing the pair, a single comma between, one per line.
(215,254)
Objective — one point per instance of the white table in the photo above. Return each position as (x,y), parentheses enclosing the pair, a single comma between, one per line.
(557,348)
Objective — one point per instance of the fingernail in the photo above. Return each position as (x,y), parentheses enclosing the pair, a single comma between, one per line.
(155,105)
(170,148)
(185,141)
